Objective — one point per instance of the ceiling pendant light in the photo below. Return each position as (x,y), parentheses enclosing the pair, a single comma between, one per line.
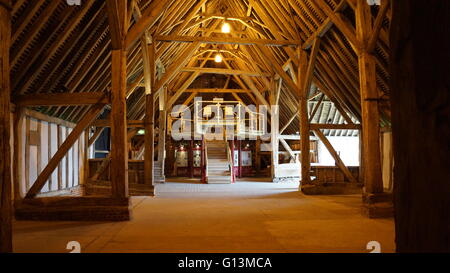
(218,58)
(226,28)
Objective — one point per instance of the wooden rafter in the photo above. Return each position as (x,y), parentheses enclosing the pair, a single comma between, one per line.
(230,41)
(62,99)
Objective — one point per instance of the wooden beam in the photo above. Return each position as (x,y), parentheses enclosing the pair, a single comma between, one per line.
(309,73)
(162,142)
(323,29)
(287,147)
(185,85)
(182,89)
(149,16)
(305,147)
(107,160)
(94,138)
(305,76)
(102,123)
(279,69)
(419,65)
(17,154)
(5,130)
(342,25)
(64,148)
(275,143)
(119,148)
(222,71)
(336,156)
(335,126)
(256,92)
(226,41)
(377,26)
(296,114)
(369,103)
(215,90)
(62,99)
(175,68)
(259,8)
(314,112)
(118,22)
(150,122)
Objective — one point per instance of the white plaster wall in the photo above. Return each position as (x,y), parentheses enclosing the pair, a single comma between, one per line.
(347,147)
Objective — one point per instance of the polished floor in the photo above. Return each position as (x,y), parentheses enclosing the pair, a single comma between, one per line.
(249,217)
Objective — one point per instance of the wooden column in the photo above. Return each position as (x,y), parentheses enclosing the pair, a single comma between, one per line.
(149,76)
(258,156)
(5,128)
(118,24)
(17,154)
(191,159)
(275,118)
(86,148)
(162,141)
(420,104)
(369,102)
(203,161)
(162,132)
(232,160)
(305,78)
(304,119)
(239,143)
(149,139)
(119,151)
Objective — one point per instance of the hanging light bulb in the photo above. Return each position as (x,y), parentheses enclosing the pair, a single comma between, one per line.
(218,58)
(226,28)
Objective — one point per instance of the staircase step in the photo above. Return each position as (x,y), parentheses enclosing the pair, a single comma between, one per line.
(218,163)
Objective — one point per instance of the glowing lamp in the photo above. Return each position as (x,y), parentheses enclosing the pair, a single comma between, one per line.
(218,58)
(226,28)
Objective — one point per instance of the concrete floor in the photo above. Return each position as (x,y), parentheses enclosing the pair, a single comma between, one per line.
(244,217)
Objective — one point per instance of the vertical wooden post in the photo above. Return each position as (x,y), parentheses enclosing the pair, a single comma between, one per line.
(119,153)
(86,149)
(420,74)
(369,102)
(149,66)
(162,142)
(118,24)
(203,161)
(232,161)
(275,141)
(191,159)
(162,133)
(304,118)
(17,154)
(5,128)
(149,139)
(305,77)
(258,156)
(239,142)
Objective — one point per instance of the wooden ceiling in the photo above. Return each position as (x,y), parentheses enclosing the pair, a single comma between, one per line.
(60,48)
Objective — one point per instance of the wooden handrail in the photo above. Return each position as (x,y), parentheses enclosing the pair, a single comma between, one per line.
(206,163)
(230,158)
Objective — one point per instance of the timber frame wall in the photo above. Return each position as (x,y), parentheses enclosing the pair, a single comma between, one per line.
(128,55)
(38,138)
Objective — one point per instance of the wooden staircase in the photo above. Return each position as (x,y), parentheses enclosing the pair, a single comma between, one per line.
(218,163)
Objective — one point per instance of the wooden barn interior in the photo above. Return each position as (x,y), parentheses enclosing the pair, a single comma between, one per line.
(224,125)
